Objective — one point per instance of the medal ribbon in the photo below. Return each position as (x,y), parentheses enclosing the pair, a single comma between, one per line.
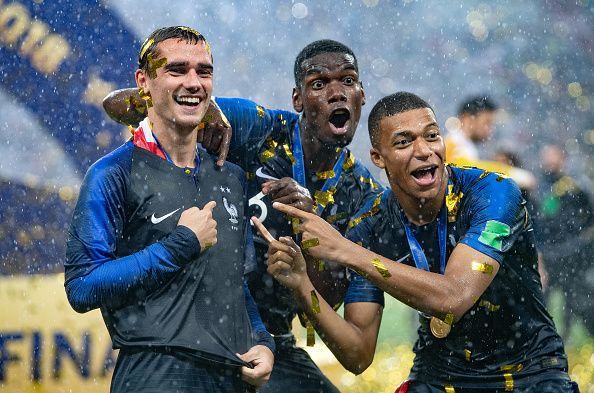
(415,247)
(299,168)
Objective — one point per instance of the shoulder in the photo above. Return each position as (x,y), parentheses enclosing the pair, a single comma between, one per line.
(360,173)
(487,186)
(371,213)
(116,163)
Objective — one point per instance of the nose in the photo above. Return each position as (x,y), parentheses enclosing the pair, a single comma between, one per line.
(336,92)
(422,149)
(192,81)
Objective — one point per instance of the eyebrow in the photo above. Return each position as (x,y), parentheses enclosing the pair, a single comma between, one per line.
(409,132)
(177,64)
(319,69)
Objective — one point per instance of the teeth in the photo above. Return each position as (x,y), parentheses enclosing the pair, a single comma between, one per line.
(188,100)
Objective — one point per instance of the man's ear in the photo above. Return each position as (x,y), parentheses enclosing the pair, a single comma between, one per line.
(362,93)
(141,80)
(297,102)
(377,158)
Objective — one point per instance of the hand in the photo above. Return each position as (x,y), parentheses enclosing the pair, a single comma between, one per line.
(331,243)
(285,260)
(201,222)
(262,358)
(288,191)
(125,106)
(214,132)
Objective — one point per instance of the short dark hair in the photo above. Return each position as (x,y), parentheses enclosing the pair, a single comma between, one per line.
(391,105)
(316,48)
(477,104)
(149,47)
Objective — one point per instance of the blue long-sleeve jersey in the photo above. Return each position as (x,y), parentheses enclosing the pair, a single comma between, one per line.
(127,255)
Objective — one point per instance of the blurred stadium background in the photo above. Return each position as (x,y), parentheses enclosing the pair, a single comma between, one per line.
(58,59)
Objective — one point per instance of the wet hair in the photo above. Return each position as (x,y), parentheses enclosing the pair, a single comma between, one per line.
(389,106)
(477,104)
(316,48)
(149,47)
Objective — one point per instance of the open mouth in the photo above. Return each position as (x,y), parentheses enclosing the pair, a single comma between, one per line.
(187,101)
(426,175)
(339,119)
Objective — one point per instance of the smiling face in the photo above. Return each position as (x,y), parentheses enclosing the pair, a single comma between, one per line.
(330,98)
(182,85)
(411,150)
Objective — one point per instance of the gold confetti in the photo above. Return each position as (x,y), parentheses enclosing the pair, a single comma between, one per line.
(452,203)
(489,306)
(449,318)
(146,97)
(482,267)
(295,224)
(188,171)
(381,268)
(449,389)
(368,180)
(309,243)
(289,154)
(509,382)
(186,28)
(467,354)
(147,44)
(338,216)
(484,174)
(250,175)
(267,155)
(320,264)
(271,143)
(325,174)
(315,302)
(154,65)
(324,198)
(311,334)
(131,129)
(349,162)
(374,209)
(260,111)
(133,104)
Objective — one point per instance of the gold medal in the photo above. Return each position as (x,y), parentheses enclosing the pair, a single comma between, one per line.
(439,328)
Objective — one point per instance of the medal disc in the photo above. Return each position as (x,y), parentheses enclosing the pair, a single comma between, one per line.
(439,328)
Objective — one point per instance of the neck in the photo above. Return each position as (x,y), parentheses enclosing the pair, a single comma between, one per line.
(317,156)
(422,211)
(180,144)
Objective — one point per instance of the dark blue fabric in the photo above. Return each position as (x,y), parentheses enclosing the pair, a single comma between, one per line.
(508,324)
(95,277)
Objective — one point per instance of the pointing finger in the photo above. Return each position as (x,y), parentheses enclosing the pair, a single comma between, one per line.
(210,205)
(290,210)
(262,229)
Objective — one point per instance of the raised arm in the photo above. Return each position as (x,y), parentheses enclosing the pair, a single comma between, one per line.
(351,339)
(497,219)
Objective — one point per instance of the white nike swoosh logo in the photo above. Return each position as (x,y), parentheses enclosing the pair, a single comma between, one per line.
(156,220)
(263,175)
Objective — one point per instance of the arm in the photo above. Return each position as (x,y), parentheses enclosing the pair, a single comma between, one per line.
(252,123)
(94,276)
(496,219)
(352,339)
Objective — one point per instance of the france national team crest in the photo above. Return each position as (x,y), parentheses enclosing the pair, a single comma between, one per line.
(232,210)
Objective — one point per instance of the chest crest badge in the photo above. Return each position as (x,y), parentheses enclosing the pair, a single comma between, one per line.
(231,209)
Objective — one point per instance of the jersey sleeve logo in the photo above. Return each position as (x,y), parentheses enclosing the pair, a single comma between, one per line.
(494,233)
